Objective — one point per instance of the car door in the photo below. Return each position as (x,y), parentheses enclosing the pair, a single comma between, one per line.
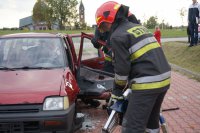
(86,53)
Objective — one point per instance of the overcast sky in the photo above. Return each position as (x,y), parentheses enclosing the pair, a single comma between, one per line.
(13,10)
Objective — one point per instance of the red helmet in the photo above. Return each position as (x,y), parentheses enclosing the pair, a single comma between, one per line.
(107,12)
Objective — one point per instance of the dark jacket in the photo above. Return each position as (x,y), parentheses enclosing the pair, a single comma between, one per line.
(138,59)
(193,13)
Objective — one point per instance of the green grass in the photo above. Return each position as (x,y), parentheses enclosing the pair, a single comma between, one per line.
(172,33)
(4,32)
(165,33)
(180,54)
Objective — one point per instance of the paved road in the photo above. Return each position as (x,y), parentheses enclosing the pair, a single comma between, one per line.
(183,93)
(174,39)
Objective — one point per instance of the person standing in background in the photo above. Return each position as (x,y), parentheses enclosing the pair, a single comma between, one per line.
(189,35)
(193,20)
(157,34)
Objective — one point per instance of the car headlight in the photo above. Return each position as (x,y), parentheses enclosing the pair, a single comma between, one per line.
(56,103)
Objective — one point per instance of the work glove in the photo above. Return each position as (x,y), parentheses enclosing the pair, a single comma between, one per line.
(117,94)
(95,43)
(105,49)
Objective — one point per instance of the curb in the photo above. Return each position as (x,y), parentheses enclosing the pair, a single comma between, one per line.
(186,71)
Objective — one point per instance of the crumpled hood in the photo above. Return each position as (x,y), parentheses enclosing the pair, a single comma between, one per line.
(29,86)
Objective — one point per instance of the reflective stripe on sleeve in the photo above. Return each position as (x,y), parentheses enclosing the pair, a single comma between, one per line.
(108,58)
(141,44)
(118,77)
(149,86)
(155,78)
(143,50)
(121,80)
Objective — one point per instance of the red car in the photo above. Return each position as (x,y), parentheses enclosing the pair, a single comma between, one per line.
(41,77)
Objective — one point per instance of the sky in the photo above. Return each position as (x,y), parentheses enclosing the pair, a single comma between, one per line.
(168,10)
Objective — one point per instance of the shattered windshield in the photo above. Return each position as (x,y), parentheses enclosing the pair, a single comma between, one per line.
(31,53)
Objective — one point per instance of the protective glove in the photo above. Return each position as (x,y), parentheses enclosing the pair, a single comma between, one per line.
(95,43)
(105,49)
(117,94)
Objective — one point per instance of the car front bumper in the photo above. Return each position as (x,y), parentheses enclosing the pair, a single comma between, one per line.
(35,122)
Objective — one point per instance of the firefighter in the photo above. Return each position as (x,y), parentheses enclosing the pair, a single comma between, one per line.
(139,63)
(108,67)
(108,48)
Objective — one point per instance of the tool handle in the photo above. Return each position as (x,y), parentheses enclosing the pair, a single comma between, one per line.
(127,92)
(109,121)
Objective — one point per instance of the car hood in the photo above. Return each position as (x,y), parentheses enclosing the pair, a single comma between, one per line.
(29,86)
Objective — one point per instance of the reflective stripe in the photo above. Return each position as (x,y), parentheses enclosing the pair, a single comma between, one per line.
(143,50)
(141,44)
(108,58)
(152,130)
(156,78)
(121,82)
(117,6)
(138,31)
(118,77)
(117,97)
(149,86)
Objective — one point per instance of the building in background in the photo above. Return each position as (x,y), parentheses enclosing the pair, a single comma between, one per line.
(81,13)
(28,22)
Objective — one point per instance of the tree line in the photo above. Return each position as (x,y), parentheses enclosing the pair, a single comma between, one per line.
(56,12)
(64,13)
(153,21)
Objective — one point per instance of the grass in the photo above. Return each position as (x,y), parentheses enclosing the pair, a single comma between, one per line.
(165,33)
(180,54)
(5,32)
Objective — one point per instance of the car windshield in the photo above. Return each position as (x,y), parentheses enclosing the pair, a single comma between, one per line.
(31,53)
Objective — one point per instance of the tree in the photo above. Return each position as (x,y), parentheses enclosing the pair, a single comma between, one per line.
(39,11)
(182,14)
(42,13)
(152,22)
(83,26)
(77,25)
(63,11)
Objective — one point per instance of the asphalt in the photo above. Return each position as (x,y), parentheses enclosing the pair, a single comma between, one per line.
(184,94)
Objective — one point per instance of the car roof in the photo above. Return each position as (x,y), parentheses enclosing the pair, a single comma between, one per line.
(31,34)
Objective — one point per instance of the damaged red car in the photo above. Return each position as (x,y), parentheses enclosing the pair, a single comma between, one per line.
(41,77)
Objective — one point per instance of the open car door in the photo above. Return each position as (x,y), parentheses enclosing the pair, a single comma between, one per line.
(88,54)
(84,52)
(94,83)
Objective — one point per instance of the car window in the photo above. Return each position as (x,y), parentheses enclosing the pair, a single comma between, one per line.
(76,42)
(89,51)
(31,52)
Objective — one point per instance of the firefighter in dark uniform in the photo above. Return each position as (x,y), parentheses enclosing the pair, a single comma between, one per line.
(139,63)
(108,67)
(108,48)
